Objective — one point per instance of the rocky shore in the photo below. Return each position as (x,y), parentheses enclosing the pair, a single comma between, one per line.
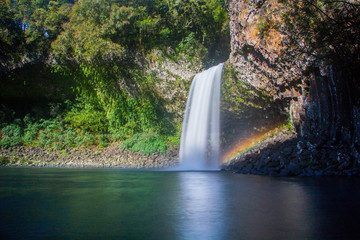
(286,154)
(92,157)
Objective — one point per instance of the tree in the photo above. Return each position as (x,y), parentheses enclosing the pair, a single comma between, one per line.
(326,30)
(28,28)
(12,37)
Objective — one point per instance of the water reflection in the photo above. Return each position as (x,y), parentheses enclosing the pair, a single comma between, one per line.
(201,206)
(114,204)
(335,207)
(214,206)
(269,209)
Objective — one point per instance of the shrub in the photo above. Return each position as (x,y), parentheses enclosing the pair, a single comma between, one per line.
(4,160)
(12,134)
(88,120)
(13,130)
(145,143)
(10,142)
(31,131)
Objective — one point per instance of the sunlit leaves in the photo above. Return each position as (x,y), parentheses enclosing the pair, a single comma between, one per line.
(57,15)
(100,46)
(29,27)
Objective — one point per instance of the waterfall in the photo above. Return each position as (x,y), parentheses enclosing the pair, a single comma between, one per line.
(200,137)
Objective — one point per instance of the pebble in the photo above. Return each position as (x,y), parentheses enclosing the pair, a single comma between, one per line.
(109,157)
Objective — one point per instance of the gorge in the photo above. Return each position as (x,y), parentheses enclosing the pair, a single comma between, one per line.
(106,84)
(179,119)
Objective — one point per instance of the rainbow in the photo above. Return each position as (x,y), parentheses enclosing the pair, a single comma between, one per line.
(245,144)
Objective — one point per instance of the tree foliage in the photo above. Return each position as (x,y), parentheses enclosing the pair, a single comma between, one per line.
(100,48)
(326,30)
(28,28)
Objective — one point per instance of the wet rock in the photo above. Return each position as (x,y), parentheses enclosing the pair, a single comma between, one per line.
(292,157)
(292,169)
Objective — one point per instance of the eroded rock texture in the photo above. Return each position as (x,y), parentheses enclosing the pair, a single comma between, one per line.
(320,100)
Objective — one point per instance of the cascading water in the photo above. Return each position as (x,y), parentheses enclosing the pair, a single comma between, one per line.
(200,137)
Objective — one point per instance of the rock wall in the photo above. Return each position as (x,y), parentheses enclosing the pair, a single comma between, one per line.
(175,79)
(321,101)
(332,107)
(260,56)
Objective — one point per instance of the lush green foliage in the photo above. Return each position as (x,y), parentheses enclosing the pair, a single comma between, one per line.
(28,28)
(52,133)
(94,54)
(145,143)
(57,134)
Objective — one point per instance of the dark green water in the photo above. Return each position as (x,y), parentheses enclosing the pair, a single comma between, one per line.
(50,203)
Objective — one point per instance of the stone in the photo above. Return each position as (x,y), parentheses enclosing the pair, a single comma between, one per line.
(323,105)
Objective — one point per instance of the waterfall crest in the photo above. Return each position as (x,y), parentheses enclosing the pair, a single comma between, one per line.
(200,137)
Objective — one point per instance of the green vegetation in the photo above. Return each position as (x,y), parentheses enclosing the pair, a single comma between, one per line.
(238,95)
(289,126)
(75,73)
(145,143)
(52,133)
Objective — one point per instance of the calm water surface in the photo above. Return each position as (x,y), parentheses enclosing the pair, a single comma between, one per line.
(41,203)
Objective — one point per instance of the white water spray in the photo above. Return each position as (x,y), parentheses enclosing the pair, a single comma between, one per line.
(200,137)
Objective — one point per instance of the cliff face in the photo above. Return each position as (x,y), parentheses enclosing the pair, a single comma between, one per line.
(320,100)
